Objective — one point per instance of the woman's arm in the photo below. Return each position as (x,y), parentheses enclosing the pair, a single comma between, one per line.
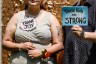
(90,36)
(8,39)
(57,37)
(77,30)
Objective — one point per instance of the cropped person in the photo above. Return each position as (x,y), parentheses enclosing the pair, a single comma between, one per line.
(79,50)
(33,35)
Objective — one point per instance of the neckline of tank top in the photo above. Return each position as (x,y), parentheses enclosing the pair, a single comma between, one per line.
(29,15)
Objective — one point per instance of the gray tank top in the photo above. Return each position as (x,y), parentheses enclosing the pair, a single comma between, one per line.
(40,36)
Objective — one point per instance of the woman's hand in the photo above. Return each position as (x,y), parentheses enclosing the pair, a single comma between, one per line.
(26,46)
(35,53)
(77,30)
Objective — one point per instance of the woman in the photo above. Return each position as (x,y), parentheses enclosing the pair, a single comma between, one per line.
(35,33)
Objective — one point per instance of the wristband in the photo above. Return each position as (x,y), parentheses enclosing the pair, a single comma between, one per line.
(82,34)
(45,54)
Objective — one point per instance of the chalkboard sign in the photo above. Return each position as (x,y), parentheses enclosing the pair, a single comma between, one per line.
(74,15)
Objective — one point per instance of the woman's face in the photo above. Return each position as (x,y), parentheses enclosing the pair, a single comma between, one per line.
(34,2)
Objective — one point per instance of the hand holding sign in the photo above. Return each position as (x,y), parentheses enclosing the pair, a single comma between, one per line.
(78,31)
(75,15)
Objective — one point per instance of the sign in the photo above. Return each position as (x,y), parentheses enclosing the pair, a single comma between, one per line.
(28,24)
(74,15)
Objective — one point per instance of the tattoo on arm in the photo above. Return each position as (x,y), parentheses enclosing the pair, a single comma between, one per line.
(59,33)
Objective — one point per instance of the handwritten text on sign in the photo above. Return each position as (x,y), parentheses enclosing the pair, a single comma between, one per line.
(74,15)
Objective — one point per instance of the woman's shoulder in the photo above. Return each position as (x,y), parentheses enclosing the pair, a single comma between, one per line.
(16,15)
(47,12)
(50,14)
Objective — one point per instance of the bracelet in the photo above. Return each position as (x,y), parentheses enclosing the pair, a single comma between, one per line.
(45,54)
(82,34)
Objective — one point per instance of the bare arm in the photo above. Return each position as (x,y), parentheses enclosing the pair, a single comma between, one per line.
(57,38)
(87,35)
(90,36)
(8,39)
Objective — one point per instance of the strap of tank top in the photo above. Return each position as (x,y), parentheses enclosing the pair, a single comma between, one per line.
(20,17)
